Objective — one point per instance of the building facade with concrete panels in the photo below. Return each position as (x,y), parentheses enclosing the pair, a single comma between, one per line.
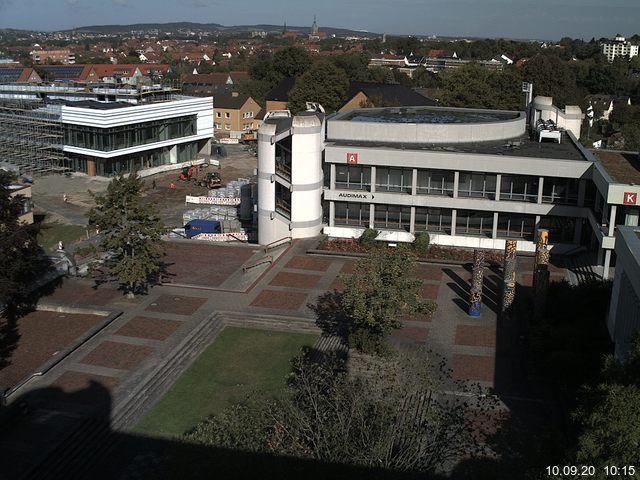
(470,178)
(624,310)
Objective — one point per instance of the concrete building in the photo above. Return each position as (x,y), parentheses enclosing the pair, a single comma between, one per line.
(624,310)
(618,47)
(470,178)
(101,130)
(63,55)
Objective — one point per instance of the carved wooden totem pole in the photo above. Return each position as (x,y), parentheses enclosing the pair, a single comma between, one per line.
(541,274)
(475,298)
(509,287)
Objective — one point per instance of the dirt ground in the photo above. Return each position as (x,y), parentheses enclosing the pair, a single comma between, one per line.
(48,191)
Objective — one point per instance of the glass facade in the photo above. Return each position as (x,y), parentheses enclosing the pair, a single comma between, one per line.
(470,222)
(561,229)
(562,191)
(283,158)
(516,226)
(435,182)
(283,200)
(394,217)
(348,213)
(433,220)
(353,178)
(126,136)
(520,188)
(479,185)
(394,179)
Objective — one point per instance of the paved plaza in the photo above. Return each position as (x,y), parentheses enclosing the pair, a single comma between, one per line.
(205,285)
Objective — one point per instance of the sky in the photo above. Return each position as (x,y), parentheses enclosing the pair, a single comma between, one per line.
(536,19)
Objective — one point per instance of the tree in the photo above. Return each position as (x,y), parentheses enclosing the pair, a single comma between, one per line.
(552,77)
(291,61)
(131,232)
(386,416)
(381,289)
(610,415)
(324,83)
(21,258)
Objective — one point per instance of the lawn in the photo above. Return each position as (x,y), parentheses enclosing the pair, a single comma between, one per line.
(52,233)
(239,362)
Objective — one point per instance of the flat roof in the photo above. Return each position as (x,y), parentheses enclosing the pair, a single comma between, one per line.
(622,167)
(432,115)
(522,146)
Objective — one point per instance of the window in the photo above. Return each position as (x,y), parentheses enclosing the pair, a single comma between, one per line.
(516,226)
(283,158)
(471,222)
(519,188)
(479,185)
(392,217)
(562,191)
(227,126)
(394,179)
(434,182)
(226,115)
(218,115)
(433,220)
(283,200)
(353,178)
(561,229)
(351,214)
(218,126)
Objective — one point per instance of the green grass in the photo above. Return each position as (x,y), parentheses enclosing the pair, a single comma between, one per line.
(51,233)
(239,362)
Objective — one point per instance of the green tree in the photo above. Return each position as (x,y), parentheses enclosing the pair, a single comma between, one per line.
(324,83)
(21,258)
(366,419)
(609,416)
(381,289)
(131,233)
(552,77)
(291,61)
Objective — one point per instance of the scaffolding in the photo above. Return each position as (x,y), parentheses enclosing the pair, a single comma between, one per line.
(31,136)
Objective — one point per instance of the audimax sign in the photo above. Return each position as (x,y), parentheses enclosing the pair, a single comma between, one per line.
(362,196)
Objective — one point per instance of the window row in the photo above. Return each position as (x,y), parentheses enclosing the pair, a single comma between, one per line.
(439,220)
(521,188)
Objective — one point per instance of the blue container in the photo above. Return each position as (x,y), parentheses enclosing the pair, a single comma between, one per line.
(196,227)
(474,309)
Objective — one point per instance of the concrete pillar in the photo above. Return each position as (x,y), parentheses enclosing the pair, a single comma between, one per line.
(498,182)
(372,213)
(475,298)
(332,177)
(332,213)
(453,221)
(494,234)
(414,181)
(412,229)
(612,220)
(540,188)
(373,179)
(631,216)
(536,225)
(456,182)
(607,264)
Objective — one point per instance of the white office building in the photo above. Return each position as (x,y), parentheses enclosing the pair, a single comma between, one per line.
(470,178)
(619,47)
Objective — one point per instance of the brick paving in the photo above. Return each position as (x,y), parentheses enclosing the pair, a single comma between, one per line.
(40,335)
(473,367)
(295,280)
(309,263)
(430,291)
(279,300)
(81,291)
(176,304)
(148,327)
(428,272)
(476,335)
(78,382)
(117,355)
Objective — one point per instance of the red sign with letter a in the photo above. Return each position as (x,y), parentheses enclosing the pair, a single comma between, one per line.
(630,198)
(352,158)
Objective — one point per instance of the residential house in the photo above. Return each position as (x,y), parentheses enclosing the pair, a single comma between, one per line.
(13,73)
(603,105)
(278,97)
(64,56)
(26,214)
(235,114)
(364,94)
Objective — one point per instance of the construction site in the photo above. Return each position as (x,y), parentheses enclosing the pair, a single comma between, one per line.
(31,137)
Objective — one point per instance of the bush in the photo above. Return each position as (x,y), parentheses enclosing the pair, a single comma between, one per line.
(368,237)
(421,243)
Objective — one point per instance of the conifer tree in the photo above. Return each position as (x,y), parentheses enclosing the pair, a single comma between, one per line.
(131,232)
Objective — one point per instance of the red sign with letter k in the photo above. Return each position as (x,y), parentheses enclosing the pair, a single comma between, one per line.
(630,198)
